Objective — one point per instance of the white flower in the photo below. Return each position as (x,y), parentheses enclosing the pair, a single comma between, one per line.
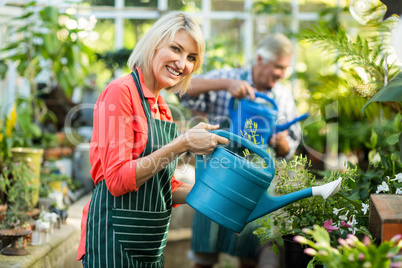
(398,191)
(290,222)
(365,208)
(376,159)
(336,211)
(352,222)
(344,217)
(398,177)
(382,188)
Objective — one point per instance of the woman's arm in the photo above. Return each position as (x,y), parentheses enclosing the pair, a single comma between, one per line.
(197,140)
(180,194)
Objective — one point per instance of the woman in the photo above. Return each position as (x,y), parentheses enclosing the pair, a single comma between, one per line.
(134,150)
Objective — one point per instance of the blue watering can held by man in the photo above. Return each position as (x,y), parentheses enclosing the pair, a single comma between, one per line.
(232,191)
(263,114)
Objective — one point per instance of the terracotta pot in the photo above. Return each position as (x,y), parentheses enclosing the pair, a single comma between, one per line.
(3,209)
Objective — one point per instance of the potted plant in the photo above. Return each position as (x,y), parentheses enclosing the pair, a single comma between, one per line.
(15,183)
(53,183)
(281,226)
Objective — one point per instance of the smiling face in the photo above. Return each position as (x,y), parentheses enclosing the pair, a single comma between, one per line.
(267,74)
(173,62)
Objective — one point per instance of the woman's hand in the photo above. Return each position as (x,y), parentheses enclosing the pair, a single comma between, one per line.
(199,140)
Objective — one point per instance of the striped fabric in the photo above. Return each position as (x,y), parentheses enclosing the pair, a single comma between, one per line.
(131,230)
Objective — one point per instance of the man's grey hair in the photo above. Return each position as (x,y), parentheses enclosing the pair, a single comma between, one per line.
(273,46)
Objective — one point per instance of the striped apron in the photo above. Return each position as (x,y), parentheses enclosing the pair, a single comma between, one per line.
(131,230)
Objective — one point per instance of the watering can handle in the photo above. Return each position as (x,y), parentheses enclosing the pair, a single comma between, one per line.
(265,97)
(258,95)
(251,146)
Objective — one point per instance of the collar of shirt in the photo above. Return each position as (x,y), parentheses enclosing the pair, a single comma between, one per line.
(163,107)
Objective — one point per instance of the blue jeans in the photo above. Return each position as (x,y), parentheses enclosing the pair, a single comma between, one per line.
(84,262)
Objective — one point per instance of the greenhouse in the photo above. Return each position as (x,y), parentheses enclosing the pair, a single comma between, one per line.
(201,134)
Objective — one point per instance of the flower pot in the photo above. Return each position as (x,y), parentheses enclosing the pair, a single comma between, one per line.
(294,254)
(3,209)
(33,157)
(59,186)
(53,153)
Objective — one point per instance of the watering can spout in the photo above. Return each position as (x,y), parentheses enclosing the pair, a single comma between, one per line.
(268,203)
(287,125)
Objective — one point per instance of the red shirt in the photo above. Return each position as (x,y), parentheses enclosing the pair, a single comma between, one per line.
(120,134)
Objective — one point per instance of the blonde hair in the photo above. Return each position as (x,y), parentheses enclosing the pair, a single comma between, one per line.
(272,46)
(162,33)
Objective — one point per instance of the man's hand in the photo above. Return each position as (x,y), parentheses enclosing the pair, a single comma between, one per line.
(240,89)
(279,142)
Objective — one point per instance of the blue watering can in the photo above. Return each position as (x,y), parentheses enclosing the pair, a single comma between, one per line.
(260,113)
(232,191)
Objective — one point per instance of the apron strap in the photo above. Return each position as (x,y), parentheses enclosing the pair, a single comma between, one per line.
(145,103)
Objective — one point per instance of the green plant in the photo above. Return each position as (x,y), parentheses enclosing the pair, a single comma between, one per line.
(384,163)
(49,140)
(16,189)
(351,252)
(44,42)
(19,128)
(295,175)
(46,180)
(391,93)
(363,59)
(219,56)
(360,66)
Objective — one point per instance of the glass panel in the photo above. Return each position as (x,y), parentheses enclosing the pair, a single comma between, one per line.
(99,2)
(134,29)
(313,6)
(227,5)
(103,37)
(185,5)
(271,24)
(142,3)
(225,47)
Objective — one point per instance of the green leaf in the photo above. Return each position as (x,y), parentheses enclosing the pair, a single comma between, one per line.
(280,241)
(50,14)
(10,46)
(400,145)
(391,92)
(397,122)
(311,263)
(373,138)
(393,139)
(35,130)
(50,41)
(275,249)
(23,17)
